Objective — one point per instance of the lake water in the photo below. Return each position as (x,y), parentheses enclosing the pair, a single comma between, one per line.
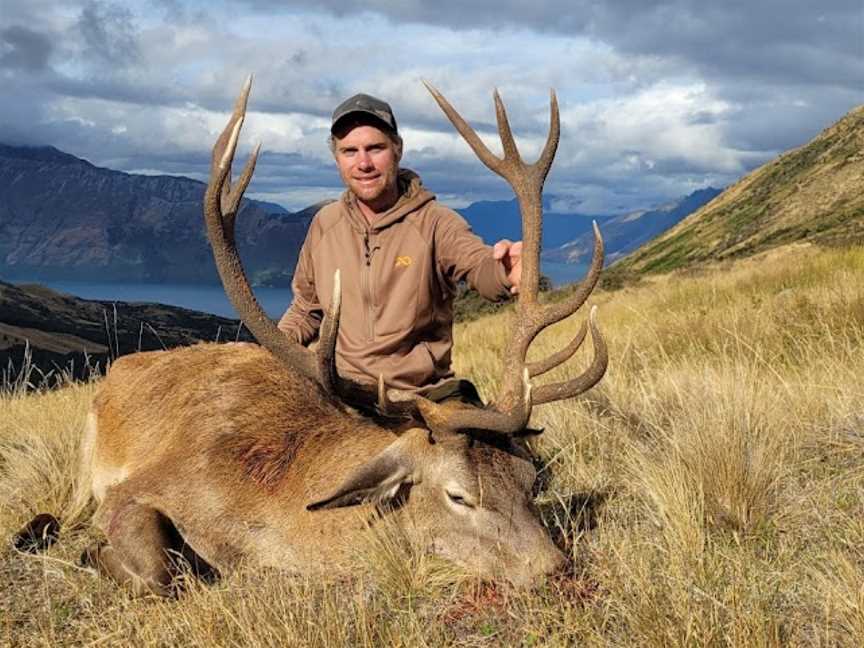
(212,299)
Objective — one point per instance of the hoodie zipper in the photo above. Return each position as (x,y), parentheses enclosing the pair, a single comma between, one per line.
(366,285)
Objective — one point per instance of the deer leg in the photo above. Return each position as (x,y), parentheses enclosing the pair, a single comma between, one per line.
(102,557)
(142,549)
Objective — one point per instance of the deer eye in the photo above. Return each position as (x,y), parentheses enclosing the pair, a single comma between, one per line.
(459,500)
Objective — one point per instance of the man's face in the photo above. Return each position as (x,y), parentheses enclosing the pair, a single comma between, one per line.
(368,162)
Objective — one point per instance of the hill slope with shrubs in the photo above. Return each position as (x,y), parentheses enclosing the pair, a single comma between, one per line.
(809,194)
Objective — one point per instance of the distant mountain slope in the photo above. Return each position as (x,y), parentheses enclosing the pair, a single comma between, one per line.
(494,220)
(813,193)
(625,233)
(62,217)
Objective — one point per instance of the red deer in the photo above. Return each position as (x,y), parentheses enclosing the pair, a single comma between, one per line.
(230,452)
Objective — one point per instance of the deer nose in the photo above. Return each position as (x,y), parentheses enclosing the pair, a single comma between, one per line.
(550,562)
(545,563)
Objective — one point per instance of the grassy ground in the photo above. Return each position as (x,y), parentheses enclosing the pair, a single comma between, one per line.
(711,492)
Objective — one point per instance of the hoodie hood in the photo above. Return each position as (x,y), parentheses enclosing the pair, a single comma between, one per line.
(412,196)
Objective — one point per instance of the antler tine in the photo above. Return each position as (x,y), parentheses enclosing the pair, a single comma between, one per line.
(544,162)
(231,197)
(383,402)
(226,145)
(557,312)
(486,156)
(540,367)
(585,381)
(235,193)
(511,153)
(445,420)
(395,402)
(551,314)
(223,157)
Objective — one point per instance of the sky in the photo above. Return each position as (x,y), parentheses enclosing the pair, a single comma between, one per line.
(657,98)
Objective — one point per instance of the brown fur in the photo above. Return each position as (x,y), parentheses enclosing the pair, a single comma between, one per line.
(265,463)
(225,449)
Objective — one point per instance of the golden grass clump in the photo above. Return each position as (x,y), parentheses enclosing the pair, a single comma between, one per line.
(710,491)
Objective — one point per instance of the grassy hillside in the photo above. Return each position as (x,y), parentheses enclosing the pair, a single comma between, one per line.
(812,193)
(710,491)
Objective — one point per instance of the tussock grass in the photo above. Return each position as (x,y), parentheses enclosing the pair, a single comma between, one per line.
(710,491)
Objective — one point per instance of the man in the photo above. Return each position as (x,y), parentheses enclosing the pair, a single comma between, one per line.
(401,255)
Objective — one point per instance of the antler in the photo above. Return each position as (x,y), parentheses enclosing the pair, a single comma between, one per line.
(512,408)
(221,202)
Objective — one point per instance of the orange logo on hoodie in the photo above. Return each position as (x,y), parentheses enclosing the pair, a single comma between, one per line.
(403,261)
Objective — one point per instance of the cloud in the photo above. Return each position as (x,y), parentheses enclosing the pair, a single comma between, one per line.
(658,98)
(108,33)
(24,49)
(796,39)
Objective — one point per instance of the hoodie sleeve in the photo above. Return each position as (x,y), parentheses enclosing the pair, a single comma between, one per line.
(462,255)
(303,318)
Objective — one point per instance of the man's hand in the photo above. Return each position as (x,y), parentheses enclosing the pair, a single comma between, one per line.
(510,254)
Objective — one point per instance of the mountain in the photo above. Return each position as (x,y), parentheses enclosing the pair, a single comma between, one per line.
(623,234)
(494,220)
(65,332)
(64,218)
(812,193)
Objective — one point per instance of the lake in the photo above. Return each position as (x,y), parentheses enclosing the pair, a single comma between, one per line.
(212,299)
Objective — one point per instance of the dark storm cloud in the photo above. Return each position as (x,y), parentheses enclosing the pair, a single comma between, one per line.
(783,118)
(788,40)
(24,49)
(792,40)
(108,32)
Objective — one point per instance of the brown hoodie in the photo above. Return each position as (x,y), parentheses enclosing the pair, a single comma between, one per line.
(398,282)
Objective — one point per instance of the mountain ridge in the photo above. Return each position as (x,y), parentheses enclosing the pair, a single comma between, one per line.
(623,234)
(63,217)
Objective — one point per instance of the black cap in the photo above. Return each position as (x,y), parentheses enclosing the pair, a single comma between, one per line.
(365,104)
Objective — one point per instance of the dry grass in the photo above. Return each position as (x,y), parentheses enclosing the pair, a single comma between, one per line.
(711,492)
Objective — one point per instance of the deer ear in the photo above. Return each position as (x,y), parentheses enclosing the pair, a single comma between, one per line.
(379,479)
